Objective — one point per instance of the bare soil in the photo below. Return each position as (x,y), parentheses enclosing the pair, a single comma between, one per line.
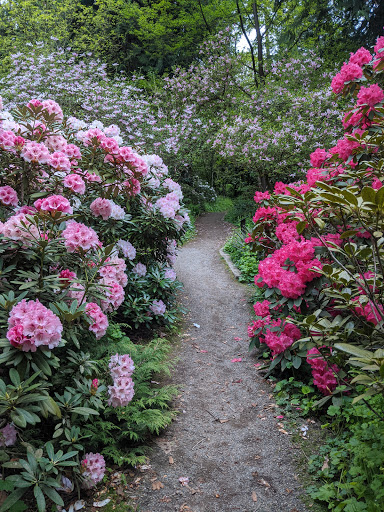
(226,439)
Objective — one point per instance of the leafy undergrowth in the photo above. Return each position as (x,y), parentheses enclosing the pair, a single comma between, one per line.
(242,256)
(219,204)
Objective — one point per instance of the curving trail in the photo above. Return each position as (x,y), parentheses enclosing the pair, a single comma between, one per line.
(226,438)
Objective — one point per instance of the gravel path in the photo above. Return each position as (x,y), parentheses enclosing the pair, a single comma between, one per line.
(226,440)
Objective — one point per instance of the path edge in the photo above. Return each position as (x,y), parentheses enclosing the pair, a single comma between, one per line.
(235,271)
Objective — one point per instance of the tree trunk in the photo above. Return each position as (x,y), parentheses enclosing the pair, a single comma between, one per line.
(259,39)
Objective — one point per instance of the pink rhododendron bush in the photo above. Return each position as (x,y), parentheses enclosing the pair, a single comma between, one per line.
(321,247)
(88,232)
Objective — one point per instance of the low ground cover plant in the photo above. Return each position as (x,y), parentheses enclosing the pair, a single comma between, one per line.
(89,232)
(320,272)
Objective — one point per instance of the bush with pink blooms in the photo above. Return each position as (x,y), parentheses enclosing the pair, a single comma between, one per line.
(319,291)
(321,249)
(86,225)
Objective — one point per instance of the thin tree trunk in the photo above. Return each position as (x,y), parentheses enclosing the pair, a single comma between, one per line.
(204,18)
(249,44)
(259,41)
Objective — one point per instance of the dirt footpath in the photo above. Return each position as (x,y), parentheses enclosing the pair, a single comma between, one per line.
(225,445)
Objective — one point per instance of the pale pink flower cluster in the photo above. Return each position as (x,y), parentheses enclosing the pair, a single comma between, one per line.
(59,161)
(132,186)
(173,186)
(139,269)
(99,323)
(7,139)
(107,209)
(121,392)
(101,207)
(170,274)
(158,307)
(114,295)
(114,270)
(19,228)
(35,152)
(77,292)
(73,152)
(56,142)
(8,435)
(33,325)
(168,205)
(53,204)
(127,249)
(78,235)
(75,183)
(172,251)
(8,196)
(323,375)
(53,108)
(93,466)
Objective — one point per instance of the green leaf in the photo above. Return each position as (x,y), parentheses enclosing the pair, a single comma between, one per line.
(353,350)
(38,493)
(368,194)
(12,499)
(15,377)
(52,495)
(85,411)
(296,361)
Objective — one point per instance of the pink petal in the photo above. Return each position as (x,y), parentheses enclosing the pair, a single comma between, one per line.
(238,339)
(279,417)
(236,360)
(203,351)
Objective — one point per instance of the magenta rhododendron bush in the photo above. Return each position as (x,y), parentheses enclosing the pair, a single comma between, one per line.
(321,246)
(87,226)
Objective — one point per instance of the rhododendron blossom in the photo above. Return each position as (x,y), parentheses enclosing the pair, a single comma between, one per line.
(127,249)
(370,96)
(99,321)
(323,375)
(139,269)
(8,435)
(121,392)
(75,183)
(54,204)
(60,161)
(8,196)
(158,307)
(170,274)
(78,235)
(93,469)
(33,325)
(35,152)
